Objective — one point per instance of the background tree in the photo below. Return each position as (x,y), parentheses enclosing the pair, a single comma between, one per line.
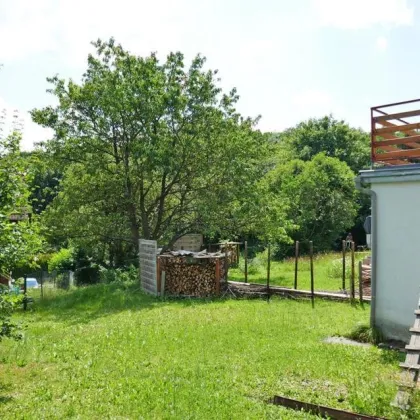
(20,241)
(321,198)
(157,147)
(326,135)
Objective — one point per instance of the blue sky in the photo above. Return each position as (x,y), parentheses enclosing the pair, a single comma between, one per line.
(290,60)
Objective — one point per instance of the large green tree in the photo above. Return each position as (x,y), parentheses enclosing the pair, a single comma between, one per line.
(151,149)
(320,195)
(19,241)
(326,135)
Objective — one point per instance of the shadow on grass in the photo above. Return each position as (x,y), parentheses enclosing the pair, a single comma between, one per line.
(5,398)
(85,304)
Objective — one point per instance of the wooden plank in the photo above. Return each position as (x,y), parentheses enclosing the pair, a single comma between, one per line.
(394,128)
(415,330)
(399,140)
(412,348)
(397,115)
(412,153)
(163,281)
(390,124)
(406,365)
(320,410)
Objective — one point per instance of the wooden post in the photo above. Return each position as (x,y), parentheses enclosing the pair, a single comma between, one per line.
(163,280)
(226,263)
(42,286)
(246,261)
(238,253)
(296,263)
(268,271)
(361,282)
(352,291)
(158,277)
(217,276)
(343,285)
(25,300)
(311,255)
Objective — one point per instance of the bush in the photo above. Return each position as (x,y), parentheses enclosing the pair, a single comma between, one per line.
(335,269)
(62,260)
(8,302)
(258,264)
(86,275)
(119,275)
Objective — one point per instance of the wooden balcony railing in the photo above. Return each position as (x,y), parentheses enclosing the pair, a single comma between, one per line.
(396,133)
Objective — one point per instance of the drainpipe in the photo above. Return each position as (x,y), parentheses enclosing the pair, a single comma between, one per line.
(374,213)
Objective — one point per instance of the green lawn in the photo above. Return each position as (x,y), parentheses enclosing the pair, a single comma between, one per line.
(327,272)
(111,352)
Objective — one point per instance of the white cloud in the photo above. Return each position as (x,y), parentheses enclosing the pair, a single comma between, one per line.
(355,14)
(66,28)
(381,43)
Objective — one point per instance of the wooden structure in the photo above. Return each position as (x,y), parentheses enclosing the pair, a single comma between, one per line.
(192,274)
(395,135)
(411,366)
(190,242)
(232,248)
(148,266)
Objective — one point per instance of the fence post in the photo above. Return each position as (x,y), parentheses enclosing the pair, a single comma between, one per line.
(311,255)
(238,252)
(42,286)
(246,261)
(163,281)
(268,271)
(25,300)
(217,276)
(226,263)
(296,263)
(343,286)
(361,282)
(352,291)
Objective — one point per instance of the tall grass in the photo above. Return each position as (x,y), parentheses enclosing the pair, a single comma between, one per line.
(327,271)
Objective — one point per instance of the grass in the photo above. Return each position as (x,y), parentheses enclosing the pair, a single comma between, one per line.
(327,272)
(112,352)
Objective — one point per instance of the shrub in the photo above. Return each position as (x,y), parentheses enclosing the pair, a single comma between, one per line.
(8,302)
(119,275)
(62,261)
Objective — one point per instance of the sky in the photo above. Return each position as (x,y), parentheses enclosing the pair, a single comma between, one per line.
(289,59)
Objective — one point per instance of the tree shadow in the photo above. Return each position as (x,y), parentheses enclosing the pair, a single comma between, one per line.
(5,398)
(86,304)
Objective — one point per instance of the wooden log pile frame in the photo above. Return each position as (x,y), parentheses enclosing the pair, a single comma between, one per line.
(193,274)
(232,248)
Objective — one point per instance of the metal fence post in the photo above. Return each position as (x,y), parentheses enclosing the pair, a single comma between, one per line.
(25,300)
(268,271)
(296,263)
(311,254)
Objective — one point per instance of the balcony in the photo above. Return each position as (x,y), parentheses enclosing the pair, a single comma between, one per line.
(396,134)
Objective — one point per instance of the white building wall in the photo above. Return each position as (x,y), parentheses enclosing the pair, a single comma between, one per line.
(398,256)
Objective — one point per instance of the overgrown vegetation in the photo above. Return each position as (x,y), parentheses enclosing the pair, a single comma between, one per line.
(327,271)
(109,351)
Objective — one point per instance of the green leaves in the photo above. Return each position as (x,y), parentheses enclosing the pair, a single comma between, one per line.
(21,240)
(148,148)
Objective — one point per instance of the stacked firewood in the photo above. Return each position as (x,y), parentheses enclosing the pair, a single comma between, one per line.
(232,250)
(189,276)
